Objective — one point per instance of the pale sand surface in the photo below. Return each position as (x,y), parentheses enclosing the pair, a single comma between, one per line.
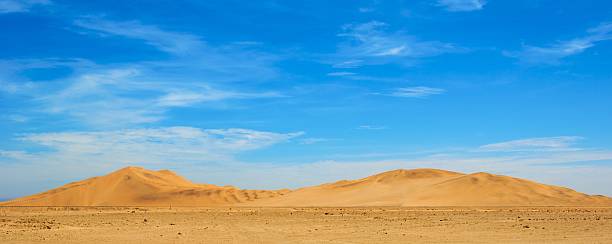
(306,225)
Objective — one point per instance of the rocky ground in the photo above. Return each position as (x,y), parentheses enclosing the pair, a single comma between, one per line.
(305,225)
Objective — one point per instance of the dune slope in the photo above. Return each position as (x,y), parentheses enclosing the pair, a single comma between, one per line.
(432,187)
(135,186)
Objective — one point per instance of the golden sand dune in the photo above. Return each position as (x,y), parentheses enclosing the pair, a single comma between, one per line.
(432,187)
(135,186)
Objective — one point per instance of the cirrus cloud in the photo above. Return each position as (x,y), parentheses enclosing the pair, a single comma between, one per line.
(154,145)
(553,54)
(16,6)
(558,143)
(417,92)
(462,5)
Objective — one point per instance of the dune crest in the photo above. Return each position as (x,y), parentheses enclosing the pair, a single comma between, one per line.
(136,186)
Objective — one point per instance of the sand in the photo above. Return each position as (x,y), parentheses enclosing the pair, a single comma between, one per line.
(432,187)
(136,186)
(306,225)
(480,208)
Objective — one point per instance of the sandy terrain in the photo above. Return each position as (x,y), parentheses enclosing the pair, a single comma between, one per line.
(305,225)
(135,186)
(434,187)
(234,215)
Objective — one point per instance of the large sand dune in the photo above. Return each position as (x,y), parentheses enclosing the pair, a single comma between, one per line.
(134,186)
(432,187)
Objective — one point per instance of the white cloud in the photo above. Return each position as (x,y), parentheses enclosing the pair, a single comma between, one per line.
(349,64)
(17,118)
(394,51)
(313,140)
(207,94)
(366,10)
(370,43)
(462,5)
(132,95)
(417,92)
(11,82)
(172,42)
(221,63)
(559,143)
(104,98)
(18,155)
(14,87)
(111,96)
(147,146)
(16,6)
(552,55)
(372,40)
(341,73)
(371,127)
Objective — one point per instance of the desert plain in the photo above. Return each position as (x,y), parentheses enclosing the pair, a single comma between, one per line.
(306,225)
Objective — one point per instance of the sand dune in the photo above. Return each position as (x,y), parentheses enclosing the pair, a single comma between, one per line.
(432,187)
(134,186)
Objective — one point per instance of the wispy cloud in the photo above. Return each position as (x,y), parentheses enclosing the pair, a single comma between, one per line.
(462,5)
(13,83)
(17,118)
(341,73)
(12,87)
(181,98)
(552,55)
(416,92)
(115,95)
(371,43)
(371,127)
(220,63)
(16,6)
(148,146)
(366,10)
(313,140)
(559,143)
(172,42)
(103,98)
(348,64)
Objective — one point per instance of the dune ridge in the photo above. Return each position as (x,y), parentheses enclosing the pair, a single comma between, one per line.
(136,186)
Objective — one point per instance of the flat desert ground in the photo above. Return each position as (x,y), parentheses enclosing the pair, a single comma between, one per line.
(306,225)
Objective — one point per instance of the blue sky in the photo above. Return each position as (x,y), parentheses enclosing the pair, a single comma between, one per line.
(271,94)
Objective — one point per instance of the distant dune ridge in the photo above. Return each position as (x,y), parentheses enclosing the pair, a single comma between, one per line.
(135,186)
